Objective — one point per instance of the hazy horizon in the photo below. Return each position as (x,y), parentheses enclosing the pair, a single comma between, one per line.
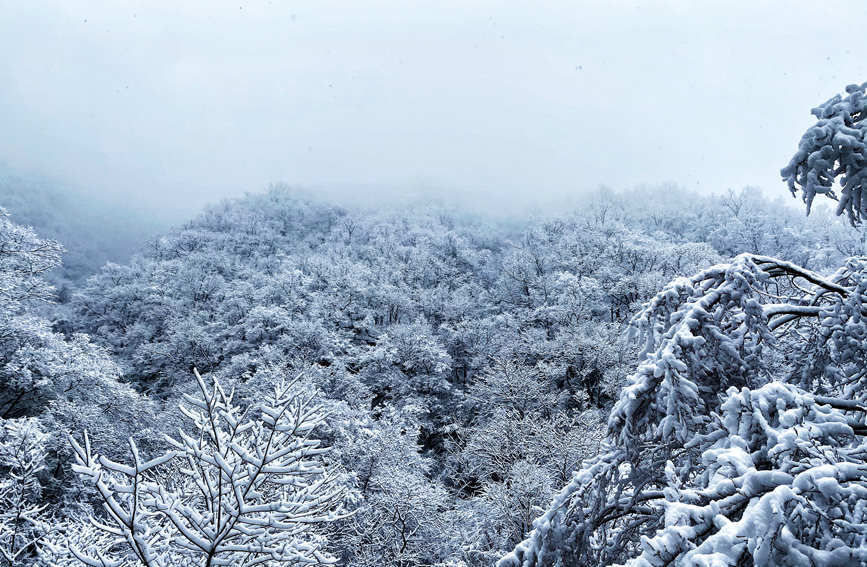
(505,106)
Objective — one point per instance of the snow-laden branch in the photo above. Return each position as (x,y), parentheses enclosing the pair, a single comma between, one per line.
(713,457)
(236,489)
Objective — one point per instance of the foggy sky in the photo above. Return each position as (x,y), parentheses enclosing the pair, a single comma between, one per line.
(505,101)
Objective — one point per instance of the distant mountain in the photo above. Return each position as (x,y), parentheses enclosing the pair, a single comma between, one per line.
(93,231)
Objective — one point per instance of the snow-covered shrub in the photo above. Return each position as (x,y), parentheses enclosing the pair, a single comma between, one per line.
(241,487)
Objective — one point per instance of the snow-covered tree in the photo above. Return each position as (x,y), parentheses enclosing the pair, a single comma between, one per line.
(835,147)
(241,487)
(401,520)
(743,427)
(24,259)
(71,382)
(24,521)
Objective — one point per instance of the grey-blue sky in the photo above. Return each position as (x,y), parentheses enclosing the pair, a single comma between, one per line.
(184,102)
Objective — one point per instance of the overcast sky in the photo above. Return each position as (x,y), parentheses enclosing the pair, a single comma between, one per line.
(185,102)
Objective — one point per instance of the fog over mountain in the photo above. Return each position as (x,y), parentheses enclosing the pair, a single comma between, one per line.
(176,104)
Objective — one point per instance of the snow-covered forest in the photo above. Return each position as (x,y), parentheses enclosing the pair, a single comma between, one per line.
(655,377)
(433,284)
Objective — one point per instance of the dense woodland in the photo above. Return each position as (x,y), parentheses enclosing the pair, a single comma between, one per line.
(283,380)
